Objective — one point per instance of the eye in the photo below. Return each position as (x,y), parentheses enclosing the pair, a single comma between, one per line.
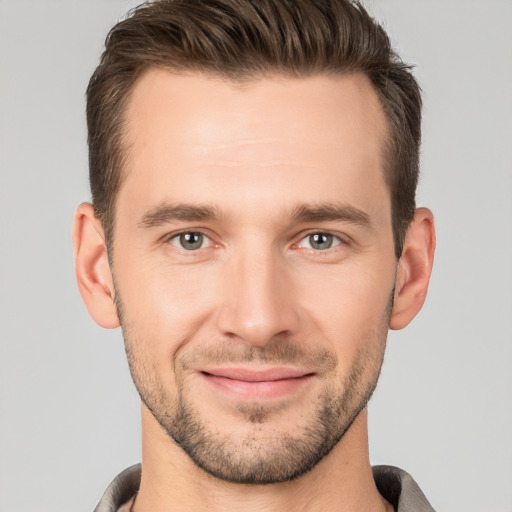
(319,241)
(190,241)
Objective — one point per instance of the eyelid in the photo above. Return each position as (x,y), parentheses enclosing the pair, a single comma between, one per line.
(167,239)
(342,240)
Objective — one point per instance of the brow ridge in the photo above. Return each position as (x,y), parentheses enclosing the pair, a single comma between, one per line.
(165,213)
(330,212)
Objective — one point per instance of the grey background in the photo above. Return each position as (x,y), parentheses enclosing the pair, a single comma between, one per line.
(69,418)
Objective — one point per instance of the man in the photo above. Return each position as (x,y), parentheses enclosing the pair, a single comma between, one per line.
(253,230)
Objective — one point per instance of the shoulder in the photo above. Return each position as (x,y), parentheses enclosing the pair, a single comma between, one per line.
(400,489)
(122,489)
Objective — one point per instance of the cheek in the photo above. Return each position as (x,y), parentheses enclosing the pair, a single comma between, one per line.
(165,304)
(354,290)
(349,305)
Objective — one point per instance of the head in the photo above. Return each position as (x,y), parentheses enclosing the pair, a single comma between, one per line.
(241,40)
(253,228)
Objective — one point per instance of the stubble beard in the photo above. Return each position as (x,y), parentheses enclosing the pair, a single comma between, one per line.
(275,456)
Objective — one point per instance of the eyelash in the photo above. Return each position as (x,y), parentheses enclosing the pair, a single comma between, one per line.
(336,240)
(177,236)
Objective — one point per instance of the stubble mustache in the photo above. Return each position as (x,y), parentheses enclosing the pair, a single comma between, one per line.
(278,352)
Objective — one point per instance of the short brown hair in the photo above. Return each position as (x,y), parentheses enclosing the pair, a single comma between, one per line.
(241,39)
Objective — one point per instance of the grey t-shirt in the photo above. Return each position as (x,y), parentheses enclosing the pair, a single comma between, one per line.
(394,484)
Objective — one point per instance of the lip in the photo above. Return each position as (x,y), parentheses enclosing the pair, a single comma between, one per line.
(257,384)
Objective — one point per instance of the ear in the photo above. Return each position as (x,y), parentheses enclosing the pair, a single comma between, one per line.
(414,268)
(92,268)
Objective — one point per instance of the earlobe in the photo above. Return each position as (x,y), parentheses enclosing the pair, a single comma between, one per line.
(92,268)
(414,269)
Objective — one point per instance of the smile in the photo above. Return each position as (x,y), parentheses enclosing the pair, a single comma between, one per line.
(257,385)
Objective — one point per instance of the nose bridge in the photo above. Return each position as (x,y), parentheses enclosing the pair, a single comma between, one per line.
(258,303)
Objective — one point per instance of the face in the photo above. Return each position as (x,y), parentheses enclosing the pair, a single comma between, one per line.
(254,264)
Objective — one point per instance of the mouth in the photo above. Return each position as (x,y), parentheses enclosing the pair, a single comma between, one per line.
(257,384)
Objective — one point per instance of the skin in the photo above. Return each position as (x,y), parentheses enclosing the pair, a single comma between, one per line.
(256,169)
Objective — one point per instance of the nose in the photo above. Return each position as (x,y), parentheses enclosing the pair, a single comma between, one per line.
(259,304)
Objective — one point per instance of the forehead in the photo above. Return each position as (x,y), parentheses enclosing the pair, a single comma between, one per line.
(307,136)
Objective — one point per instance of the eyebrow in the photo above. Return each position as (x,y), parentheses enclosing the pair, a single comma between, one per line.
(166,213)
(330,212)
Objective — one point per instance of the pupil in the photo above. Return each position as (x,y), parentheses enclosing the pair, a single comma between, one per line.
(320,241)
(191,241)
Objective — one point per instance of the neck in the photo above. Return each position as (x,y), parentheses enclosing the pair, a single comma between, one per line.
(342,481)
